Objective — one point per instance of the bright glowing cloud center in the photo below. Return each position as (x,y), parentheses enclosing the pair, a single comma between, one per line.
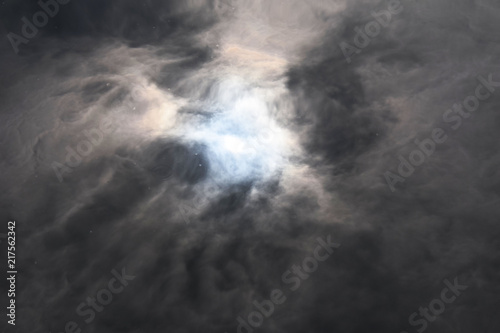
(234,144)
(243,140)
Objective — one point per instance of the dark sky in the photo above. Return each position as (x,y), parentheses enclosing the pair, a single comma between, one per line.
(210,149)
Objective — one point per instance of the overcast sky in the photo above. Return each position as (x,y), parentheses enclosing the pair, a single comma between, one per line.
(207,147)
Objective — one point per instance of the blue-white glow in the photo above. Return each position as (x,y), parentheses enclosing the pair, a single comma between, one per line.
(244,141)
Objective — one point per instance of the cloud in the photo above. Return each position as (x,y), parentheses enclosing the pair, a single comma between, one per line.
(238,135)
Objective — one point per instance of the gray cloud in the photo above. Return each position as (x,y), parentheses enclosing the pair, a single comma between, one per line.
(238,135)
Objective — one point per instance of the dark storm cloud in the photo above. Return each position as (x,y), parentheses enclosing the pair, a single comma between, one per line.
(97,196)
(204,249)
(395,90)
(136,22)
